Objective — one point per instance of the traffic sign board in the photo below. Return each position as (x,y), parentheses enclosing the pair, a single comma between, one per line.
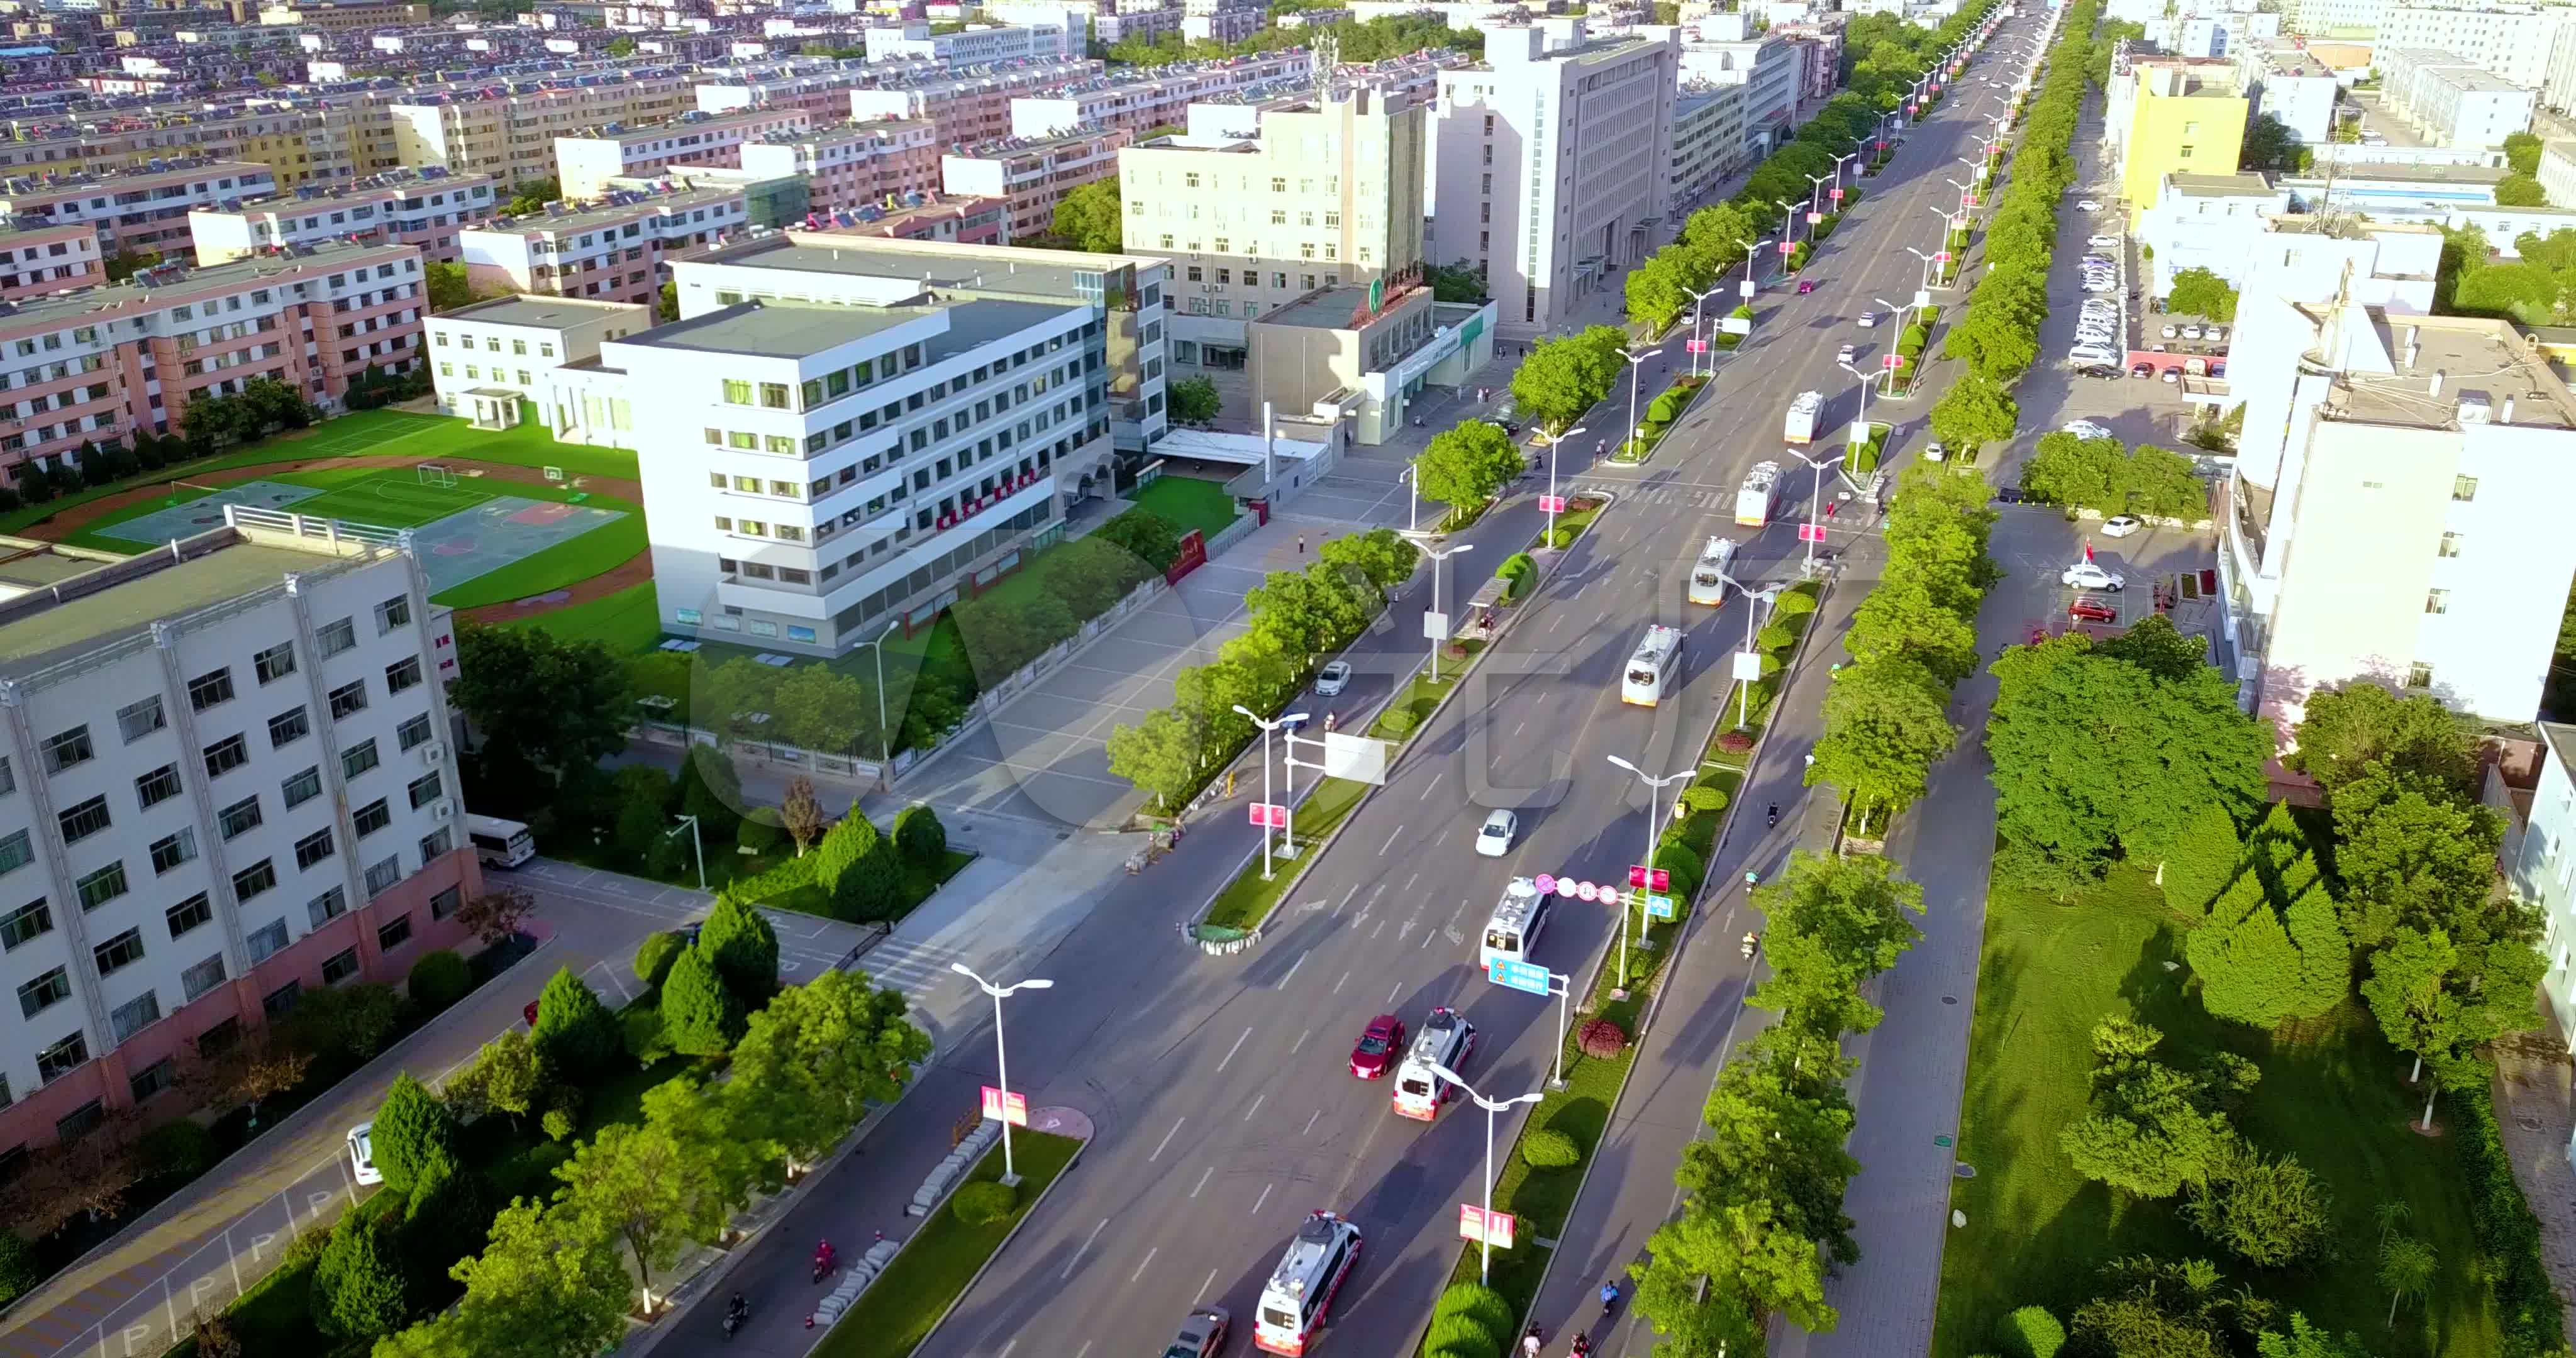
(1661,879)
(1567,886)
(1659,907)
(1836,194)
(1811,532)
(1788,247)
(1527,976)
(1012,1108)
(1636,874)
(1893,361)
(1590,891)
(1546,883)
(1272,814)
(1696,346)
(1477,1224)
(1551,504)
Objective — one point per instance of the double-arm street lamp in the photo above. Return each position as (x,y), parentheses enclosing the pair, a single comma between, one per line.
(1439,555)
(1485,1268)
(1818,494)
(1553,443)
(1654,825)
(1001,1060)
(1291,721)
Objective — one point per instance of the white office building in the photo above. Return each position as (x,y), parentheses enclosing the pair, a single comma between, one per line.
(2510,42)
(2290,85)
(2453,102)
(843,434)
(1768,67)
(224,779)
(489,357)
(1551,166)
(1708,144)
(975,44)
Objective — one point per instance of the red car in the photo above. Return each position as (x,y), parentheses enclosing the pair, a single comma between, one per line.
(2086,608)
(1377,1048)
(530,1013)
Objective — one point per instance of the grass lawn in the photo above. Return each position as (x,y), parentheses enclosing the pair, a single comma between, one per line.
(1188,502)
(2330,1094)
(628,622)
(897,1311)
(1247,899)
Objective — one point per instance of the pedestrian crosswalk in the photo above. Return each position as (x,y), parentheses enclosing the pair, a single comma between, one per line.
(912,966)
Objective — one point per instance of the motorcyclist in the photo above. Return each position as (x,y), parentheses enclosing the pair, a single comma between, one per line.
(1530,1341)
(1751,941)
(1773,818)
(1752,878)
(1582,1345)
(1609,1296)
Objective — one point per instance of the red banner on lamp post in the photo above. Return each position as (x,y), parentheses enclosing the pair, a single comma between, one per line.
(1476,1225)
(1011,1108)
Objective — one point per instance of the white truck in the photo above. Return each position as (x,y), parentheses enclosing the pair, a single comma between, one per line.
(1760,491)
(1800,428)
(1708,574)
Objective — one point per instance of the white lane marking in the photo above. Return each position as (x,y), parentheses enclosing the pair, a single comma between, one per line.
(1301,1040)
(1086,1245)
(1427,789)
(1310,1121)
(1203,1178)
(1390,841)
(1230,1051)
(1381,928)
(1392,992)
(1265,1199)
(1006,1348)
(1165,1143)
(1337,985)
(1292,971)
(1255,1108)
(1346,898)
(1132,1277)
(1086,1348)
(1516,731)
(1202,1296)
(1426,938)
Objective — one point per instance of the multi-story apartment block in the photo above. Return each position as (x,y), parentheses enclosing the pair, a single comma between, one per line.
(843,433)
(313,140)
(850,164)
(1114,24)
(974,43)
(615,252)
(98,364)
(2174,117)
(1223,25)
(966,106)
(1550,166)
(489,357)
(1768,65)
(1820,57)
(1032,173)
(821,88)
(2511,42)
(585,161)
(340,16)
(2452,102)
(427,208)
(1258,206)
(1708,143)
(2288,84)
(957,218)
(1161,96)
(511,134)
(2348,19)
(1310,18)
(39,257)
(137,210)
(223,780)
(2378,513)
(2245,231)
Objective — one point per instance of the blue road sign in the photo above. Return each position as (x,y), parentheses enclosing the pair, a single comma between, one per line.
(1659,907)
(1518,975)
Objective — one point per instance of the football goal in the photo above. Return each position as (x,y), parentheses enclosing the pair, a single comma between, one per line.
(432,474)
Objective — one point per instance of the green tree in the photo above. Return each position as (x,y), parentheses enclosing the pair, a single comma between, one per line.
(2433,1000)
(2270,1211)
(414,1134)
(2306,1340)
(666,304)
(2151,1130)
(1161,754)
(2412,856)
(811,1063)
(2078,473)
(821,708)
(1459,282)
(2201,861)
(1557,382)
(1467,464)
(919,835)
(1976,411)
(2522,153)
(1146,535)
(1310,611)
(1192,400)
(448,289)
(644,1188)
(1658,290)
(2269,146)
(1380,555)
(699,1015)
(1747,1256)
(2344,731)
(505,1077)
(2406,1268)
(575,1035)
(553,704)
(359,1291)
(1777,1136)
(1886,723)
(1093,218)
(2199,292)
(1993,342)
(743,949)
(2520,190)
(1834,923)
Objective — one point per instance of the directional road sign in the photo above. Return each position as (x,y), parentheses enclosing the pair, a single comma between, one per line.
(1527,976)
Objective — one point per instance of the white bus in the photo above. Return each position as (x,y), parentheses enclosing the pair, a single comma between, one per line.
(500,843)
(1517,923)
(1300,1292)
(1708,576)
(1758,496)
(1656,668)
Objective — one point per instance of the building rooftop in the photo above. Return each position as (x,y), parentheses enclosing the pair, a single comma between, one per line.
(547,313)
(110,602)
(938,264)
(2221,185)
(177,282)
(1324,309)
(612,213)
(776,329)
(2439,372)
(2562,742)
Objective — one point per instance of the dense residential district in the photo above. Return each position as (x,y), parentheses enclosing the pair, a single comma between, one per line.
(993,678)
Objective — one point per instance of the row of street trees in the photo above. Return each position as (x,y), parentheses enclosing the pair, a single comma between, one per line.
(1912,640)
(1559,379)
(1762,1218)
(2109,477)
(1997,335)
(1297,618)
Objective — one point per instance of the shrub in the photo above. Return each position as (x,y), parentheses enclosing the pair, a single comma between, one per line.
(1456,650)
(653,957)
(2506,1230)
(1735,742)
(1398,720)
(761,831)
(1683,863)
(1602,1038)
(439,979)
(358,1287)
(575,1034)
(181,1148)
(1775,637)
(1794,603)
(919,836)
(1463,1334)
(559,1124)
(647,1040)
(1704,797)
(742,948)
(19,1271)
(985,1202)
(1561,538)
(215,1336)
(2031,1332)
(1477,1300)
(1548,1148)
(414,1134)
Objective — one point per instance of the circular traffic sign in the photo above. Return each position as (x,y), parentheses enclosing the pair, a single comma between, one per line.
(1590,891)
(1564,886)
(1546,883)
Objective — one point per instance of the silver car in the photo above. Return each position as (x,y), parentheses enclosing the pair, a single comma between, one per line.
(1500,829)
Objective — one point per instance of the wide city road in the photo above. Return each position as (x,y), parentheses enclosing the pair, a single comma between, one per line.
(1227,1078)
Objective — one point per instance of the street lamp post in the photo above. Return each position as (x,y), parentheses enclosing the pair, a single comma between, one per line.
(1788,221)
(1636,369)
(1413,515)
(1853,154)
(885,736)
(1268,726)
(1001,1060)
(1697,298)
(1654,820)
(1485,1268)
(1816,189)
(1438,556)
(695,844)
(1817,495)
(1864,377)
(1751,253)
(1552,445)
(1929,262)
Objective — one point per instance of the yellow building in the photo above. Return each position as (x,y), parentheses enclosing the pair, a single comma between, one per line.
(2181,122)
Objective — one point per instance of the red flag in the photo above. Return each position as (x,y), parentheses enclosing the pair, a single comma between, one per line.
(2088,550)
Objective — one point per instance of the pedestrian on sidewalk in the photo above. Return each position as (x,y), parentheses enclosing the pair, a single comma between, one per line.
(1301,544)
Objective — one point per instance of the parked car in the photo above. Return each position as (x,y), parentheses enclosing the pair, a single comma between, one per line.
(2170,377)
(1934,452)
(2171,332)
(2121,525)
(2084,429)
(2099,370)
(2191,332)
(2103,242)
(2007,495)
(2216,334)
(2092,575)
(2086,608)
(2088,205)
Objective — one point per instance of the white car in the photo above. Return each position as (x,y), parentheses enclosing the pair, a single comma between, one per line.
(2171,332)
(362,1154)
(2103,242)
(1934,452)
(2191,332)
(2172,377)
(2215,334)
(1846,353)
(2087,205)
(1495,840)
(1868,319)
(2087,575)
(2121,525)
(2085,429)
(1332,678)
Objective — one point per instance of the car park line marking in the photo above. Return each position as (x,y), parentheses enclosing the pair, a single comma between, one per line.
(1310,1121)
(1203,1178)
(1265,1198)
(1230,1051)
(1390,841)
(1202,1296)
(1166,1142)
(1139,1273)
(1337,985)
(1255,1108)
(1086,1246)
